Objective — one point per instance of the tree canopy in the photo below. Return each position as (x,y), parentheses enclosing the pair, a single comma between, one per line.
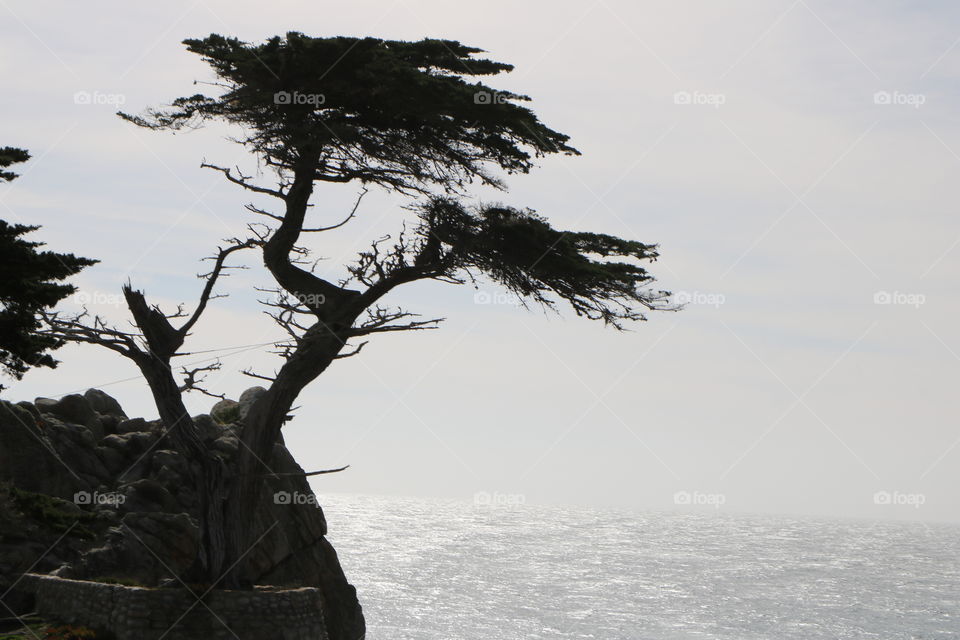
(398,114)
(30,281)
(403,116)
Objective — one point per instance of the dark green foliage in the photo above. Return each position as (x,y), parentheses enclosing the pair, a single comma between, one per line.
(522,252)
(50,513)
(9,156)
(229,415)
(386,112)
(30,281)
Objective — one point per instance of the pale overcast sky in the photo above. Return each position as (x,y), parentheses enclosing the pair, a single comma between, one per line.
(796,161)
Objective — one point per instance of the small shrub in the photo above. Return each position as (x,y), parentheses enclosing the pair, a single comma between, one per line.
(50,512)
(228,415)
(69,632)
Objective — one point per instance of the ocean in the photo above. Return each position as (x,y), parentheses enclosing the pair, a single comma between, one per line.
(446,570)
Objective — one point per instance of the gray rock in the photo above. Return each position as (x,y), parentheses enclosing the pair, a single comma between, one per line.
(31,409)
(74,409)
(44,405)
(227,444)
(129,444)
(30,460)
(112,459)
(104,403)
(248,397)
(209,428)
(132,425)
(109,423)
(147,495)
(130,551)
(226,411)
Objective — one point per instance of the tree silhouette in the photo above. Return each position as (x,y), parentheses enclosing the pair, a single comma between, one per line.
(397,115)
(30,281)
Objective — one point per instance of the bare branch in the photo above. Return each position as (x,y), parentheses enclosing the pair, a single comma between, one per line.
(251,374)
(253,209)
(349,217)
(212,280)
(74,328)
(351,353)
(195,377)
(306,473)
(381,320)
(242,181)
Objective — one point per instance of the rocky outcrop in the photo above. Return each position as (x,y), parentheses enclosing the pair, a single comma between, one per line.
(121,479)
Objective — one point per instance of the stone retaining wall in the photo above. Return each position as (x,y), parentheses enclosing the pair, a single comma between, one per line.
(135,613)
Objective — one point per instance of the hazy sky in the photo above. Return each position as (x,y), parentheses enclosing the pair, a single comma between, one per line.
(797,162)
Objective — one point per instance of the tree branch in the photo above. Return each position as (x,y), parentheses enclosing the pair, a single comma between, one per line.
(242,181)
(349,217)
(212,280)
(194,379)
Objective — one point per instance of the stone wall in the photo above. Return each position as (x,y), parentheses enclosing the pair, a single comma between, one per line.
(135,613)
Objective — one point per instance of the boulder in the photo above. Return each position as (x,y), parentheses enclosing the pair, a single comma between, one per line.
(247,398)
(129,552)
(209,428)
(132,425)
(112,459)
(109,423)
(74,409)
(28,458)
(44,405)
(147,495)
(226,411)
(104,403)
(31,409)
